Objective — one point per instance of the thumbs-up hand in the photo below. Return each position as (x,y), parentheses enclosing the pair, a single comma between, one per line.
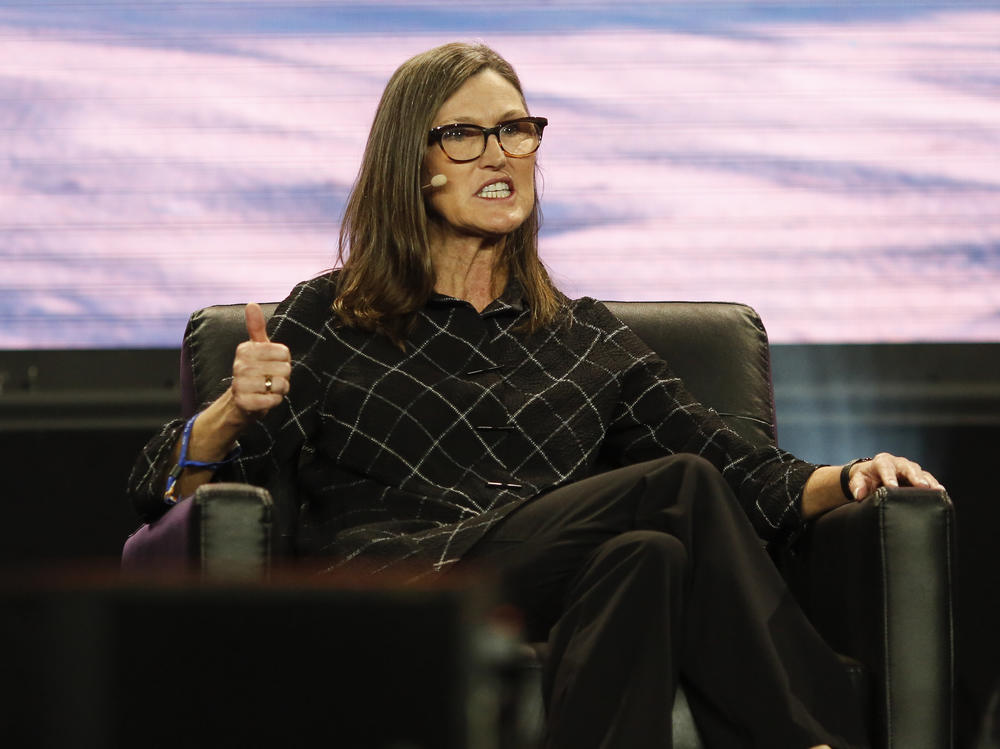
(261,369)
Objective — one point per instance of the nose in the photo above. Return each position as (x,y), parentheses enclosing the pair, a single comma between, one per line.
(493,154)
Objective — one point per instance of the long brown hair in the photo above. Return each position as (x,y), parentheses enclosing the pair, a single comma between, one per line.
(387,274)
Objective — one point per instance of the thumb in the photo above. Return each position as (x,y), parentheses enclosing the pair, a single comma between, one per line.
(256,327)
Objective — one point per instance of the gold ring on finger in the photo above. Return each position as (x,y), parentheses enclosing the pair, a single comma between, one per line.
(267,383)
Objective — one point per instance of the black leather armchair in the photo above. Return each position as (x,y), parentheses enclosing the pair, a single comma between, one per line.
(874,577)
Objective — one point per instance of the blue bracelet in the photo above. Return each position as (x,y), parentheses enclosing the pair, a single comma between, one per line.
(170,495)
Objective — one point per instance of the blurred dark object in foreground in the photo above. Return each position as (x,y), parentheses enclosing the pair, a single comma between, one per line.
(108,662)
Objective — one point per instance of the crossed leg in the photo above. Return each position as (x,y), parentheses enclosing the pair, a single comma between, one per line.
(651,574)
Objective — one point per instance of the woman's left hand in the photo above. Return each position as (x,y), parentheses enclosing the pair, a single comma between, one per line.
(888,470)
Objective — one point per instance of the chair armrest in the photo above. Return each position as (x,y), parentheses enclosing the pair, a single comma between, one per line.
(223,530)
(875,578)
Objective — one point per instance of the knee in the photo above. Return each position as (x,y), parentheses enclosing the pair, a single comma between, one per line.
(686,476)
(696,466)
(687,486)
(651,554)
(681,468)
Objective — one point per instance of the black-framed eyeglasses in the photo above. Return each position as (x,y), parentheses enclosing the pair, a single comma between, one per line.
(461,141)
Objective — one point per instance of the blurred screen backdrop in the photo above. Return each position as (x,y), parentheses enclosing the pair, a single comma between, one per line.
(836,165)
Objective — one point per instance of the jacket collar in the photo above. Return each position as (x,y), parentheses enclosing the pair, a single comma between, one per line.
(511,300)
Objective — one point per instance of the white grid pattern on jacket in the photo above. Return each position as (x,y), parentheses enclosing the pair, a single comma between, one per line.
(414,455)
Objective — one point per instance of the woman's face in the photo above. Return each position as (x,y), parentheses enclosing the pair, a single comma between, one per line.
(470,203)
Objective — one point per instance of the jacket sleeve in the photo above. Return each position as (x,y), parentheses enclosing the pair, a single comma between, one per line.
(271,444)
(656,416)
(147,481)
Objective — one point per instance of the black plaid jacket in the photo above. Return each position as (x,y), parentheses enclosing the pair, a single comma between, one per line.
(412,456)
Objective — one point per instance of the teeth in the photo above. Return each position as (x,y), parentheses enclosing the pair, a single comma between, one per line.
(496,190)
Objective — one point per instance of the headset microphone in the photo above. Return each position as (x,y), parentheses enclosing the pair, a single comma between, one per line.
(438,180)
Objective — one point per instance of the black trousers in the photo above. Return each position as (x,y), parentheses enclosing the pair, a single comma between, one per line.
(651,574)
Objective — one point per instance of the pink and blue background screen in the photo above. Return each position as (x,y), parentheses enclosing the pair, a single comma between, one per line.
(837,166)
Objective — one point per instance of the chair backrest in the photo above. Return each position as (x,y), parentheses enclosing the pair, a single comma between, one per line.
(719,349)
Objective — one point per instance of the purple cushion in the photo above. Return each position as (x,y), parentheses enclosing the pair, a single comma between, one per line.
(166,543)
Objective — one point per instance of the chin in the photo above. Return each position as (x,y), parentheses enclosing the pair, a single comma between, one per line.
(509,222)
(504,228)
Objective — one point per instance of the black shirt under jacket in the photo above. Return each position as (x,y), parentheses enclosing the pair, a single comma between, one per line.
(412,456)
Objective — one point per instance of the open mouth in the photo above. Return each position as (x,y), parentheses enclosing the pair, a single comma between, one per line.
(495,190)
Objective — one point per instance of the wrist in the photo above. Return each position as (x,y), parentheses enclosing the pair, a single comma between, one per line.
(845,478)
(210,439)
(821,492)
(217,428)
(187,462)
(226,415)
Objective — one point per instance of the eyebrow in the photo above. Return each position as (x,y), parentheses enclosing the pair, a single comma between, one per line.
(510,114)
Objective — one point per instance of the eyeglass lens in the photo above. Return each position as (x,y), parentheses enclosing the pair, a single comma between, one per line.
(466,142)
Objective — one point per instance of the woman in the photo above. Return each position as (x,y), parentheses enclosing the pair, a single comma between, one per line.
(443,404)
